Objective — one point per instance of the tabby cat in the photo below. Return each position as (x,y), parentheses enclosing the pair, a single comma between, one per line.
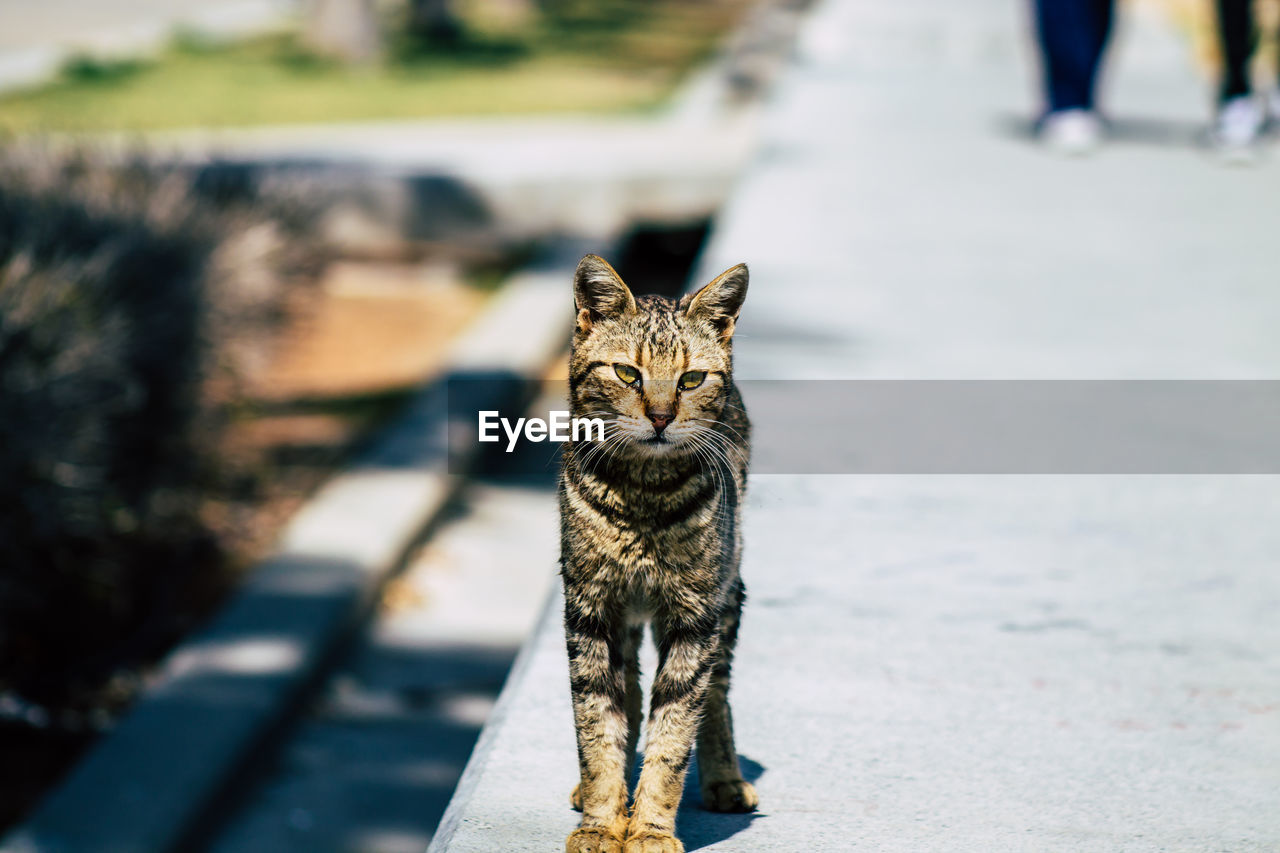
(651,532)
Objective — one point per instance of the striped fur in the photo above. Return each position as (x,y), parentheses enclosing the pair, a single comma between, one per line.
(651,533)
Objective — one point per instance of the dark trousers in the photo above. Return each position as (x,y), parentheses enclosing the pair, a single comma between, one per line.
(1073,34)
(1239,37)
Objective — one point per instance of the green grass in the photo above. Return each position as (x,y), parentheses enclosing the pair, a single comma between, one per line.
(610,55)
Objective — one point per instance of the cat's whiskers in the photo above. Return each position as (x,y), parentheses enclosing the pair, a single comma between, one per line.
(598,413)
(611,440)
(718,466)
(722,449)
(724,446)
(595,445)
(611,449)
(721,446)
(717,513)
(721,423)
(612,452)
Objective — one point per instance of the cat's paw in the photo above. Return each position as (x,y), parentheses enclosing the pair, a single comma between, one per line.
(575,797)
(733,795)
(651,842)
(593,839)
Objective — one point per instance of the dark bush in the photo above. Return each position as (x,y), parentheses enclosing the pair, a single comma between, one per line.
(126,290)
(100,356)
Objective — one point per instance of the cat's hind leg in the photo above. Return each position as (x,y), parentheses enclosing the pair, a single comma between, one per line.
(635,696)
(723,788)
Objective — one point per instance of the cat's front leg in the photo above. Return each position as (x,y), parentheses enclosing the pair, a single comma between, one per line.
(600,720)
(686,651)
(634,703)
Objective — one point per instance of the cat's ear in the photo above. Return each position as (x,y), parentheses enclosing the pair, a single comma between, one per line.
(599,293)
(719,302)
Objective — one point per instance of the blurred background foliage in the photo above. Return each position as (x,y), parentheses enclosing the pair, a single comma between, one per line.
(129,293)
(405,60)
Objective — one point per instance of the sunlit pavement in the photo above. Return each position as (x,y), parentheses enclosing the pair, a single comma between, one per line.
(372,764)
(1083,663)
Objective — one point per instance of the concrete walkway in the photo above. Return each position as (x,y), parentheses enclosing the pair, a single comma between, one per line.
(933,663)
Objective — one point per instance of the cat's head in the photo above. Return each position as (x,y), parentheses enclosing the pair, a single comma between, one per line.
(655,370)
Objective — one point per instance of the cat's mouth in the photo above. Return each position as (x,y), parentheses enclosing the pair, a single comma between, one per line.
(659,445)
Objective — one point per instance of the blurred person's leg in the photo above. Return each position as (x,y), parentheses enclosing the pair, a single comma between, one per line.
(1239,37)
(1102,16)
(1239,119)
(1073,35)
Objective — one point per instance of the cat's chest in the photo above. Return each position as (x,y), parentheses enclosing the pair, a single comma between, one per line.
(649,573)
(641,541)
(644,555)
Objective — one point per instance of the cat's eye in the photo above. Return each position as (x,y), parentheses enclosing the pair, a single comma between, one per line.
(627,373)
(692,379)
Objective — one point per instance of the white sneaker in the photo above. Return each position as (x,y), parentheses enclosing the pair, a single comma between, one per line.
(1237,128)
(1273,108)
(1074,133)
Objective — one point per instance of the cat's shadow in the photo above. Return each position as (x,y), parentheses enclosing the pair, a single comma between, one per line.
(697,827)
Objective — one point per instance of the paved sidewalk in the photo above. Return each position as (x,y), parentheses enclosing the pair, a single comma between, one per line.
(933,663)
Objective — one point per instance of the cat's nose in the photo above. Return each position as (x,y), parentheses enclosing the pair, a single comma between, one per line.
(660,420)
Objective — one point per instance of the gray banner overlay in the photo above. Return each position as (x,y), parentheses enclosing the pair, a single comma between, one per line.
(979,427)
